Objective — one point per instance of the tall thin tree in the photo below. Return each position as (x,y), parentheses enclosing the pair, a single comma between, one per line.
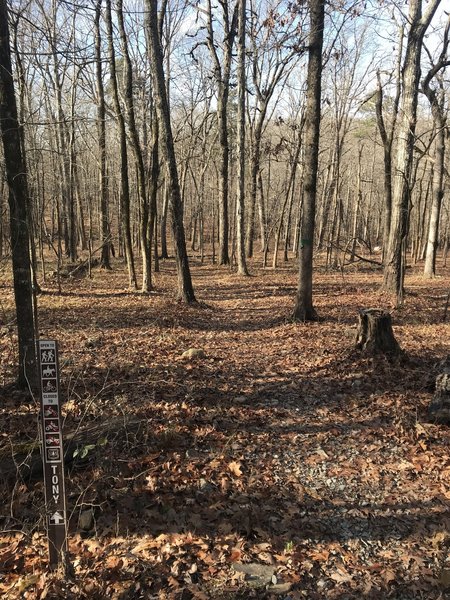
(394,269)
(240,201)
(124,175)
(222,75)
(304,309)
(185,288)
(18,199)
(436,100)
(387,131)
(137,151)
(105,260)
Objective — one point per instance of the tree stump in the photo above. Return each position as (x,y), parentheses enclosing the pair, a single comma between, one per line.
(439,409)
(375,335)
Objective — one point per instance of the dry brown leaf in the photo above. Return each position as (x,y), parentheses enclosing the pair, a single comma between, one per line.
(265,557)
(173,583)
(341,576)
(235,468)
(235,555)
(147,543)
(320,555)
(264,547)
(151,483)
(423,445)
(388,576)
(114,562)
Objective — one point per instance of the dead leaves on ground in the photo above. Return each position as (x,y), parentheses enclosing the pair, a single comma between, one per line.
(275,450)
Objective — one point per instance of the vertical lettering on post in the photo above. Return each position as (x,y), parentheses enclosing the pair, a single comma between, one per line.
(52,452)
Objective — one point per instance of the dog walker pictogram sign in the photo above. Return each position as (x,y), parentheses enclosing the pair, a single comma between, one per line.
(52,451)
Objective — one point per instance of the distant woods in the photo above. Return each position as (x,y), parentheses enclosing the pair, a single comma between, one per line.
(159,129)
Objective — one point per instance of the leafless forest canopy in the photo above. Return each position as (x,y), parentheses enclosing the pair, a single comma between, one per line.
(79,71)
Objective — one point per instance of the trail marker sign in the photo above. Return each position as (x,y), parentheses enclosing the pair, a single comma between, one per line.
(52,452)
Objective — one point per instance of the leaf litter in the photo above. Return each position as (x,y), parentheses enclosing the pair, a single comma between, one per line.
(270,461)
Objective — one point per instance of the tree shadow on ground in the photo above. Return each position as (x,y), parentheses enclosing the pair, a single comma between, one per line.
(216,382)
(177,475)
(213,504)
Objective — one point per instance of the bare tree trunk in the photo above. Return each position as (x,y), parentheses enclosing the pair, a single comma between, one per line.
(105,260)
(446,244)
(278,230)
(304,310)
(2,211)
(71,208)
(153,187)
(357,207)
(224,257)
(62,133)
(269,66)
(21,120)
(291,193)
(185,289)
(124,178)
(137,151)
(387,138)
(298,220)
(262,211)
(18,200)
(439,116)
(165,208)
(252,201)
(240,200)
(288,201)
(222,72)
(394,270)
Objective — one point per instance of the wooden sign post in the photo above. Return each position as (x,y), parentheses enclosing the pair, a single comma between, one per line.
(52,452)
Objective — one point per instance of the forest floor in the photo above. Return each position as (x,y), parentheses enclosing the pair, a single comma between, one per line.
(281,464)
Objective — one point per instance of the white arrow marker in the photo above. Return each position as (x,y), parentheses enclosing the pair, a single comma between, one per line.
(56,519)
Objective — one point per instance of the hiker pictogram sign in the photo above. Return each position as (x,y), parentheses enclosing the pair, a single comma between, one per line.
(52,451)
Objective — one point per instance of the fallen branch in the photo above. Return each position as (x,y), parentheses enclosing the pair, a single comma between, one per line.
(91,254)
(361,242)
(358,256)
(367,260)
